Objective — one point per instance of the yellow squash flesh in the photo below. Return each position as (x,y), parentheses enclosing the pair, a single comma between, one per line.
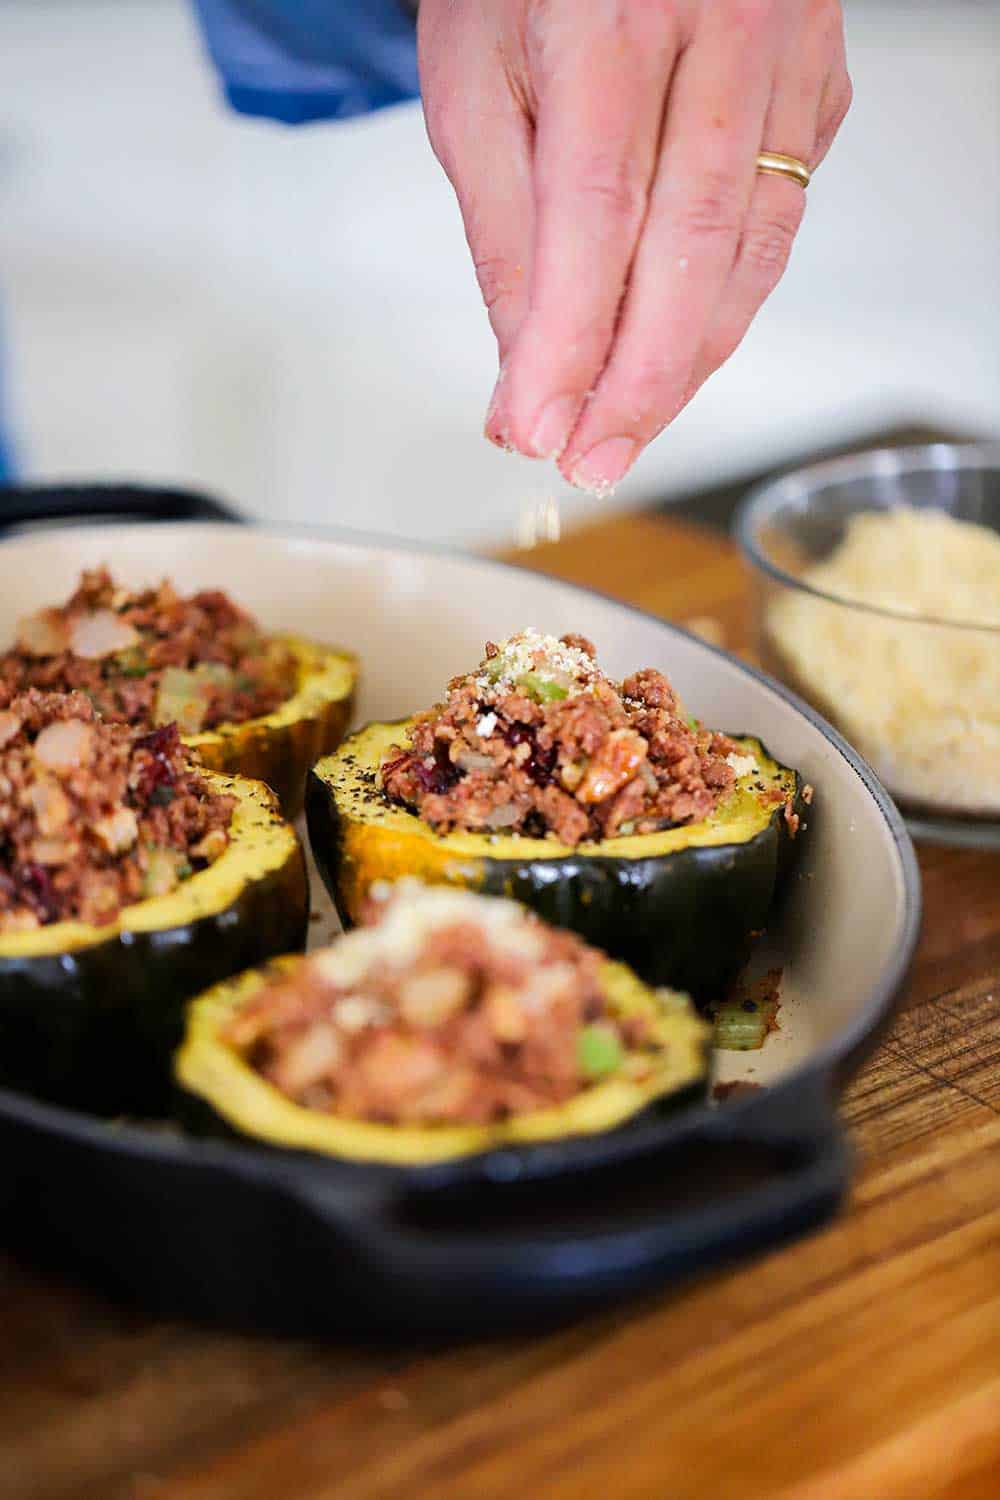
(207,1067)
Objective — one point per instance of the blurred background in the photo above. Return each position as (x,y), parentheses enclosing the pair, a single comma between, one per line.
(289,317)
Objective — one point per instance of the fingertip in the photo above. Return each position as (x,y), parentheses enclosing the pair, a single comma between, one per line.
(602,467)
(498,439)
(553,426)
(538,417)
(496,425)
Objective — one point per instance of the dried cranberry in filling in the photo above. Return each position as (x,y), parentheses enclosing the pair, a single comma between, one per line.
(436,778)
(159,741)
(36,887)
(541,763)
(162,745)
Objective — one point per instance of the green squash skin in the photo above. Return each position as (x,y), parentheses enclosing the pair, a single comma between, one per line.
(280,759)
(684,919)
(95,1028)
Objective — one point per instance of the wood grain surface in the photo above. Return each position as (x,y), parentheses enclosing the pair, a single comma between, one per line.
(864,1361)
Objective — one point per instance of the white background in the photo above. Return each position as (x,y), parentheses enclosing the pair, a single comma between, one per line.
(289,317)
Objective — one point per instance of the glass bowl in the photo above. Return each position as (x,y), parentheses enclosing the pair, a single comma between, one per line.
(917,696)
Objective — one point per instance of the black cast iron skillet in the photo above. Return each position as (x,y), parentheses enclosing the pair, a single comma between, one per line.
(266,1238)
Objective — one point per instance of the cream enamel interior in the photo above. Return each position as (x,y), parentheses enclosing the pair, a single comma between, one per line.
(259,843)
(736,819)
(209,1068)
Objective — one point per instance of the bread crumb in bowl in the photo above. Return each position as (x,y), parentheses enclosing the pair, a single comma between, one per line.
(913,677)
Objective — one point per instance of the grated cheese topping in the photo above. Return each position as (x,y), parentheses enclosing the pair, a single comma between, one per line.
(547,657)
(413,912)
(743,765)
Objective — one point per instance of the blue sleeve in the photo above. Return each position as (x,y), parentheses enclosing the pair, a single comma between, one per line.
(301,60)
(7,466)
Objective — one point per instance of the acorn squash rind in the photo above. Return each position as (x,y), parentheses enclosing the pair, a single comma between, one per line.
(240,1100)
(679,906)
(279,748)
(89,1016)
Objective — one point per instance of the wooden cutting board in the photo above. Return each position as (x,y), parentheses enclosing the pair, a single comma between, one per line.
(864,1361)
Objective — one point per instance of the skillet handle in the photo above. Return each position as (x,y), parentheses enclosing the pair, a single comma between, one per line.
(480,1258)
(31,504)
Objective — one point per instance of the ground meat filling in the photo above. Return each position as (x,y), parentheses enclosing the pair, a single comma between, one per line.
(94,815)
(452,1009)
(538,741)
(151,658)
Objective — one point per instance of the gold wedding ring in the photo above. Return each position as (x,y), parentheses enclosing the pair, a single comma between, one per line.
(784,166)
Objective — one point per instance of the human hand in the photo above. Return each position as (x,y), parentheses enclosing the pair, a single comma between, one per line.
(604,158)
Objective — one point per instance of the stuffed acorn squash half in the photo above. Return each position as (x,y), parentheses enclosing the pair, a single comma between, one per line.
(129,880)
(603,806)
(453,1025)
(251,704)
